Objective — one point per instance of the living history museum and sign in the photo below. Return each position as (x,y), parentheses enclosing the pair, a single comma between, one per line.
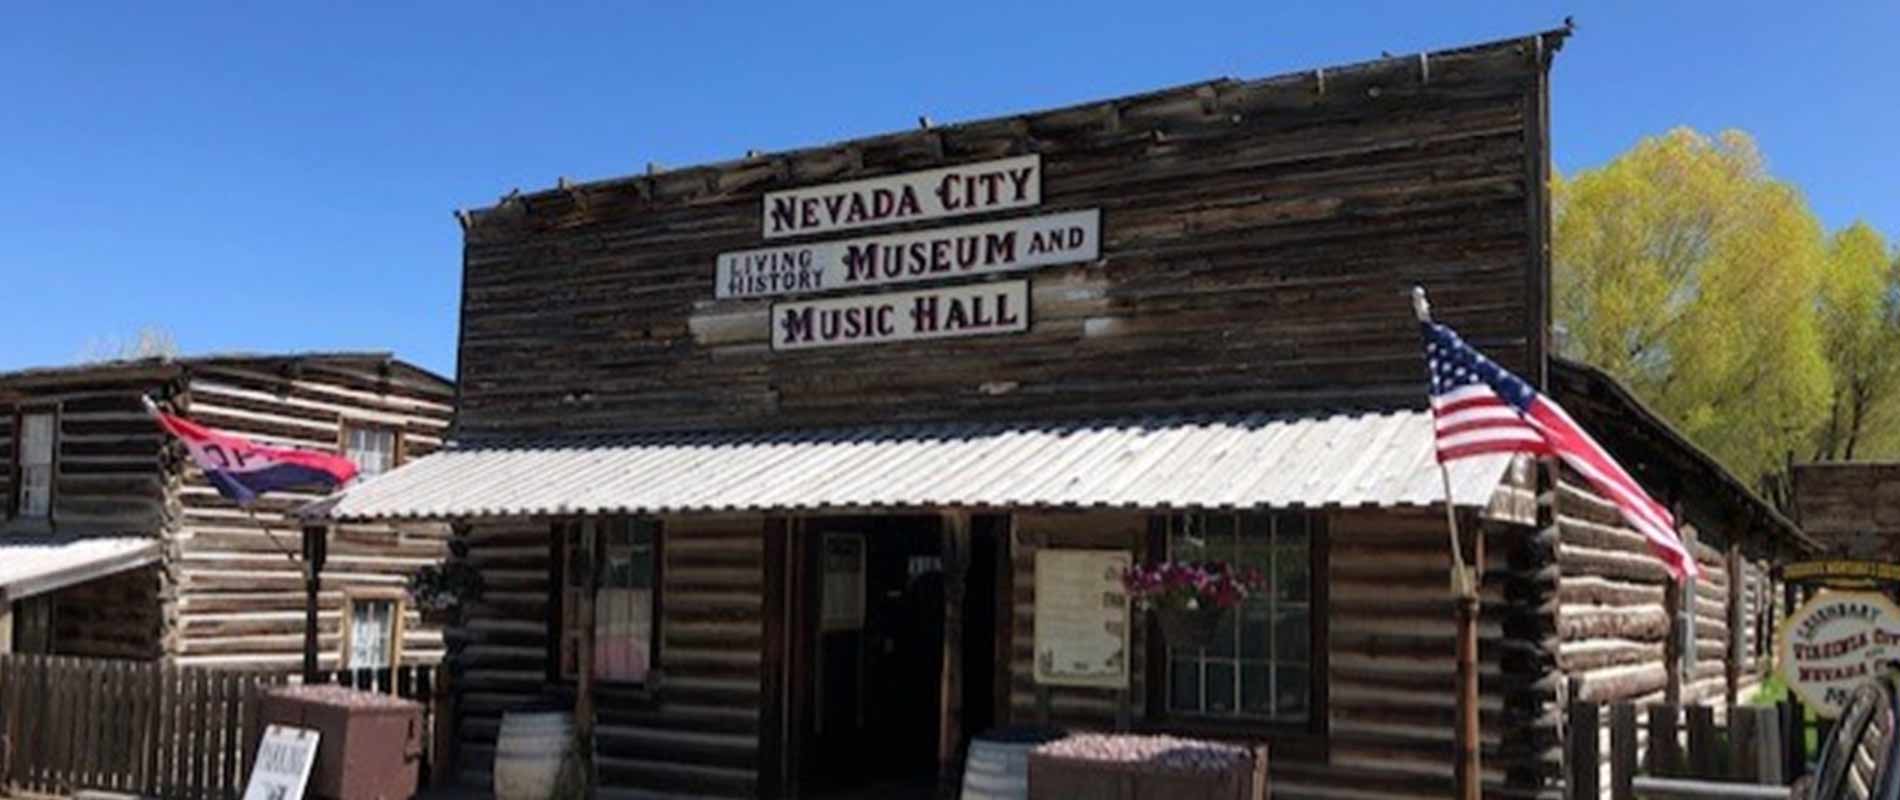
(865,431)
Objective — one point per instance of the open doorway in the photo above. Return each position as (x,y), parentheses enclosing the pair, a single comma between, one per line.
(872,653)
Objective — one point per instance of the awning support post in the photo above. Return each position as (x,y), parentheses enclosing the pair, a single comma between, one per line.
(584,652)
(316,550)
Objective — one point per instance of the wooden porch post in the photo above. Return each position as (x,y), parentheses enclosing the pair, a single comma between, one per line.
(1733,673)
(584,651)
(956,566)
(1468,771)
(316,548)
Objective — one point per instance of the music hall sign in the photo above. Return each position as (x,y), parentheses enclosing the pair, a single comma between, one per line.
(942,313)
(987,248)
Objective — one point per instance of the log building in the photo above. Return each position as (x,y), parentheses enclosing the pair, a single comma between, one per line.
(835,446)
(1852,508)
(114,545)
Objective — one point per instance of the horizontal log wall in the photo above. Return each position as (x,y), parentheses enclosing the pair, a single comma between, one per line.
(1244,224)
(504,640)
(239,594)
(1392,708)
(107,479)
(1611,618)
(1070,706)
(702,736)
(699,733)
(116,616)
(1614,625)
(1391,705)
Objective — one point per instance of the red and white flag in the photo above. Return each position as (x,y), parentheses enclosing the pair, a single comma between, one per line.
(1479,407)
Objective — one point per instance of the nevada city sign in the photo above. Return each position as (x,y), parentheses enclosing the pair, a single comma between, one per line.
(1835,642)
(939,313)
(910,197)
(909,257)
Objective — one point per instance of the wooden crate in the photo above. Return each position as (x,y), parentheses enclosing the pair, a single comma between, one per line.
(1059,778)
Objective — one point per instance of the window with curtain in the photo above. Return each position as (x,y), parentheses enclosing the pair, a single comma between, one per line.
(1261,667)
(38,439)
(372,633)
(627,553)
(372,450)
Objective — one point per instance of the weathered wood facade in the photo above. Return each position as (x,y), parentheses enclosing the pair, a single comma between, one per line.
(1853,509)
(1256,241)
(226,591)
(1256,238)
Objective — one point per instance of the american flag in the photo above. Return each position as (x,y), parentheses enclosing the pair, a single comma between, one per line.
(1479,407)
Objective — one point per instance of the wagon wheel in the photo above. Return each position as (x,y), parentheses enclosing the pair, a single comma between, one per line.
(1887,771)
(1857,761)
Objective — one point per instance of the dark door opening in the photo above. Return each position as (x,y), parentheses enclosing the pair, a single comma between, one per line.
(868,623)
(877,651)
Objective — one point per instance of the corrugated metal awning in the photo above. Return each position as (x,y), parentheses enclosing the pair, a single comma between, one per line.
(1240,461)
(36,566)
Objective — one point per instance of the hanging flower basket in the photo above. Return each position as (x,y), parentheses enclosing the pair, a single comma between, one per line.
(1191,628)
(1190,599)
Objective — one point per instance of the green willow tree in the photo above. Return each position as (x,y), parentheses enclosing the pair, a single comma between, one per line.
(1685,270)
(1859,314)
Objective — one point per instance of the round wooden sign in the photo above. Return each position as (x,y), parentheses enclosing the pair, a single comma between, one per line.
(1834,643)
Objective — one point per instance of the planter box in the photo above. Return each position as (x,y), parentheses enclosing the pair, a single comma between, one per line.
(372,743)
(1054,776)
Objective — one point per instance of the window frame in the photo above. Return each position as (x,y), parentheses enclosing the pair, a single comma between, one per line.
(16,499)
(398,446)
(346,626)
(1306,737)
(39,611)
(560,533)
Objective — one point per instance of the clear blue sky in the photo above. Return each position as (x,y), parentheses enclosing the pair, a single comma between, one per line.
(254,178)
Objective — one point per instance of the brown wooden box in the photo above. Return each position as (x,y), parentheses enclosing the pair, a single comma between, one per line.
(1059,778)
(371,747)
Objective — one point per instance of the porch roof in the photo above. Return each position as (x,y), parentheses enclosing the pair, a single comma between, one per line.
(36,565)
(1234,461)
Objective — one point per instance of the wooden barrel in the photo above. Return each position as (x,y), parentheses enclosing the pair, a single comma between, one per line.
(529,750)
(997,767)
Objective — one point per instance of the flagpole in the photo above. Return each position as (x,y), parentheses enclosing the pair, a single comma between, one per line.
(1467,768)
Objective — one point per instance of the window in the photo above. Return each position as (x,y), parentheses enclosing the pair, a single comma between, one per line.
(38,435)
(372,450)
(627,552)
(371,642)
(33,625)
(1262,666)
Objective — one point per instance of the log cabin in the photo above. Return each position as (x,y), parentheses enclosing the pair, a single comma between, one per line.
(114,545)
(839,448)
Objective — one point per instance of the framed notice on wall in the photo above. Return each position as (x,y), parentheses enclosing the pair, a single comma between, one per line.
(1082,618)
(842,599)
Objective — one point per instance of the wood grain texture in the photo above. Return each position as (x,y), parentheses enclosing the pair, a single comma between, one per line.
(226,594)
(1256,238)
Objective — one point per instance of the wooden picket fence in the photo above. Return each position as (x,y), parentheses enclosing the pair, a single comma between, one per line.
(178,733)
(1678,752)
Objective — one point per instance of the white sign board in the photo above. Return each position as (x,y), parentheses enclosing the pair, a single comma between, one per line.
(937,254)
(284,758)
(1082,618)
(977,188)
(842,598)
(1835,642)
(981,309)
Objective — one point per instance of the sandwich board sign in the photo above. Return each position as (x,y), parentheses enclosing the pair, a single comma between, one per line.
(282,768)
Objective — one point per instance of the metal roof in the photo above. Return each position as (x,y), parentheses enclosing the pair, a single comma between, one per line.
(38,565)
(1238,461)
